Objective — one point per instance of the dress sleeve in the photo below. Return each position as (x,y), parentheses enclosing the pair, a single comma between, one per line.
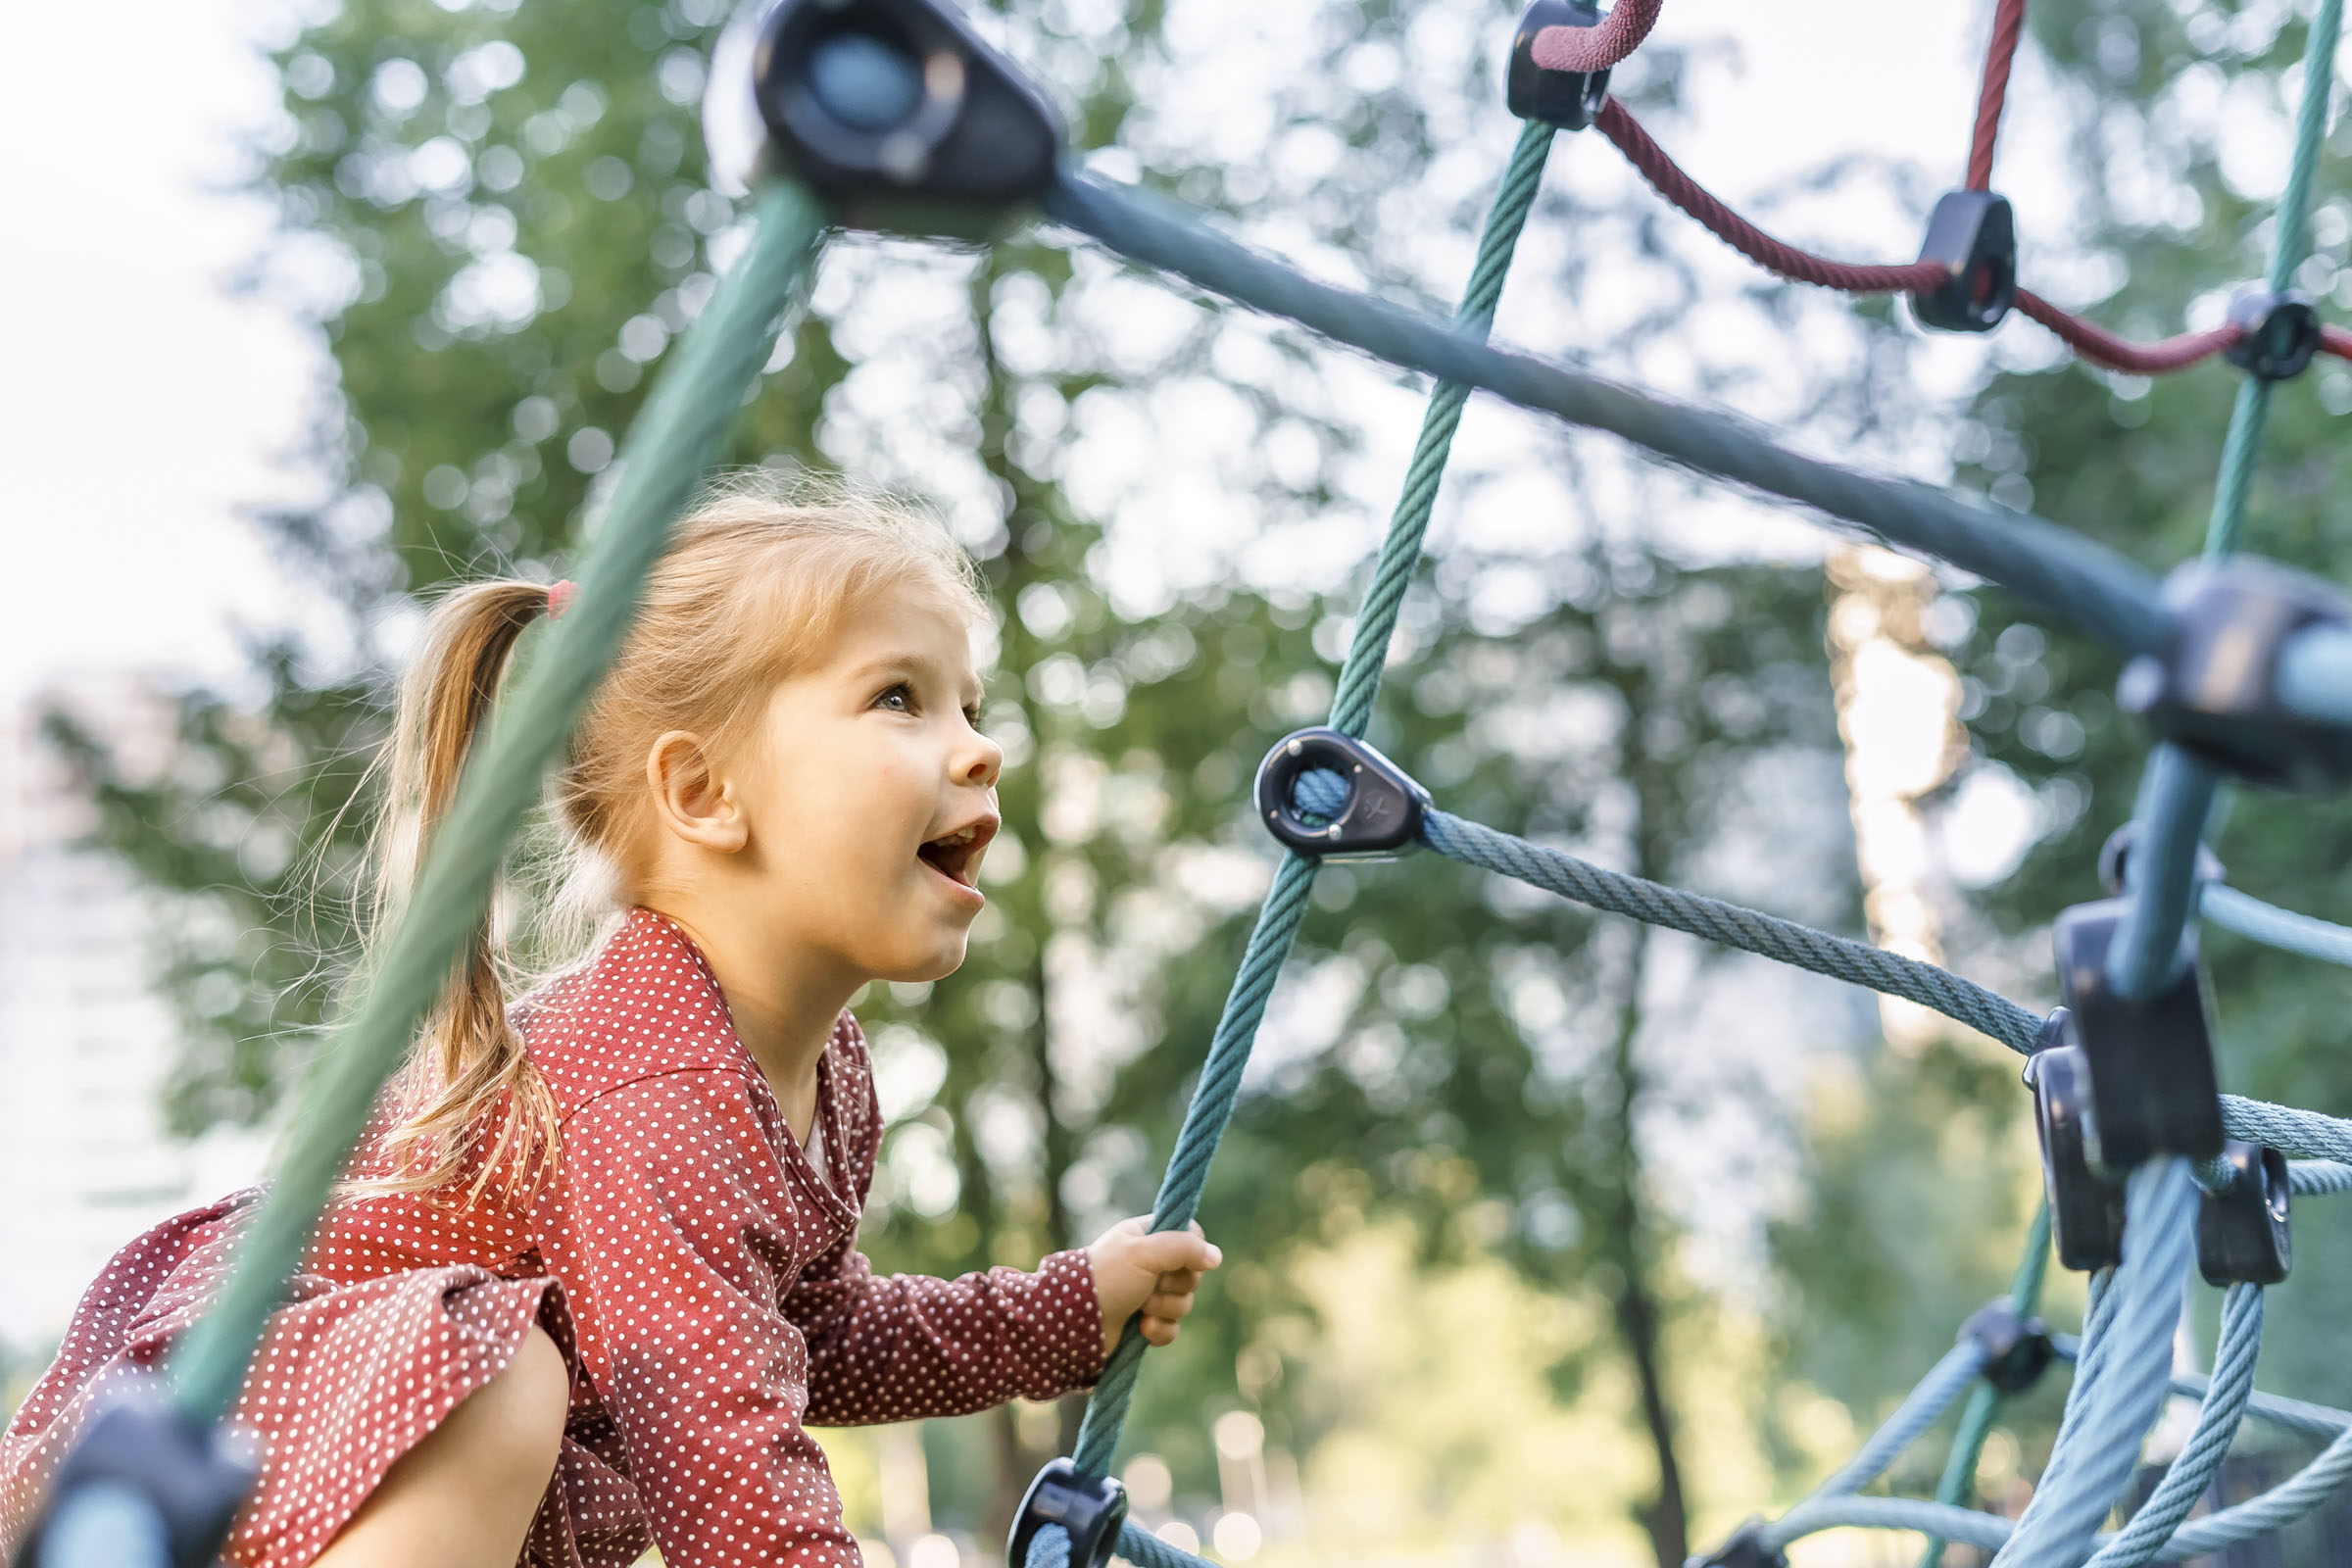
(663,1223)
(895,1348)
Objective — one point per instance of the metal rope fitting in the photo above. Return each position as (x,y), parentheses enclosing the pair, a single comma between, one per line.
(2150,1062)
(2086,1207)
(1974,235)
(2215,687)
(1091,1508)
(1566,99)
(2115,856)
(2242,1234)
(2017,1348)
(1744,1550)
(895,111)
(1370,808)
(2278,334)
(146,1486)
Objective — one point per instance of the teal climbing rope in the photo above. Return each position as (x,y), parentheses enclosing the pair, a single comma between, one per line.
(674,441)
(1351,711)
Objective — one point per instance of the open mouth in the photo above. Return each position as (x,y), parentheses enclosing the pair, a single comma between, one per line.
(956,855)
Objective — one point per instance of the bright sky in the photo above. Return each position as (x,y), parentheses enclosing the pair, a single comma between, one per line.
(148,408)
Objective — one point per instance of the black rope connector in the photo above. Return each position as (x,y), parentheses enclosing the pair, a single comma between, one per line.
(2115,856)
(1744,1550)
(1092,1508)
(2017,1348)
(1973,233)
(2213,689)
(2242,1234)
(900,114)
(2086,1206)
(1565,99)
(2150,1062)
(1324,793)
(2278,334)
(144,1482)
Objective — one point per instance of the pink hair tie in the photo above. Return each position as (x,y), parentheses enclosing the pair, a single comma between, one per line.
(560,596)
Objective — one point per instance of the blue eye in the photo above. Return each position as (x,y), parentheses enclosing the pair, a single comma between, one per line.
(898,697)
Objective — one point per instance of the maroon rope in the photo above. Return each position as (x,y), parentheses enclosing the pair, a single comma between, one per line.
(2104,348)
(2337,341)
(2008,20)
(1801,267)
(1587,49)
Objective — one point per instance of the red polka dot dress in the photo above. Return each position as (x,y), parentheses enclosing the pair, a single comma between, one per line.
(699,1273)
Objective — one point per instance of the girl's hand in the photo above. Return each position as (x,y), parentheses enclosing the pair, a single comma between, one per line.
(1155,1273)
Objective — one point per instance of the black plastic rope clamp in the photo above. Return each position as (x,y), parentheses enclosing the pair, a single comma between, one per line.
(2115,856)
(144,1470)
(1380,814)
(2243,1233)
(2017,1348)
(2280,333)
(2086,1206)
(2152,1088)
(2213,687)
(901,116)
(1092,1508)
(1744,1550)
(1567,100)
(1974,234)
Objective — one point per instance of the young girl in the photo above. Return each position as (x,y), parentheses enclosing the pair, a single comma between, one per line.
(596,1267)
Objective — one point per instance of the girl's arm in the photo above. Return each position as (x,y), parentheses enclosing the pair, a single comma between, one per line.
(896,1347)
(658,1223)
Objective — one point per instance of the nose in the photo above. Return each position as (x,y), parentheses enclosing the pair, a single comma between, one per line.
(980,762)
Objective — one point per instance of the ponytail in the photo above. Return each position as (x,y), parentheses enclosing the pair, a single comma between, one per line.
(468,1100)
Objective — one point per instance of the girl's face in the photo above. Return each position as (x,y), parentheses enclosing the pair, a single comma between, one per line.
(871,795)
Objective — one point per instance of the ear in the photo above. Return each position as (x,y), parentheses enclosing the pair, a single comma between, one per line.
(690,797)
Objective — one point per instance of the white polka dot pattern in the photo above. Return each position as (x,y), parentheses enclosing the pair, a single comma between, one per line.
(702,1279)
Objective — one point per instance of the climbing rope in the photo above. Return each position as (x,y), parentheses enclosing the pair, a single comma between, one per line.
(1350,711)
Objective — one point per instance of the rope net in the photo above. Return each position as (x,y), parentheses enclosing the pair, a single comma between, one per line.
(2122,1363)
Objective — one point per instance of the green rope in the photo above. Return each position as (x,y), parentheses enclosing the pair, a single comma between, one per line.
(676,437)
(1278,918)
(2290,244)
(1959,1483)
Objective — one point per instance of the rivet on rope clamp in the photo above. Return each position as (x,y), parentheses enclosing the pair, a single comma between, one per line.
(899,114)
(1744,1550)
(1567,99)
(2086,1207)
(1090,1507)
(2152,1089)
(2115,853)
(2278,334)
(1973,233)
(2017,1348)
(2242,1234)
(2214,687)
(144,1470)
(1379,814)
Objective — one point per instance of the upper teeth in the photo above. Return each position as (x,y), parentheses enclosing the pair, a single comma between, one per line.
(962,835)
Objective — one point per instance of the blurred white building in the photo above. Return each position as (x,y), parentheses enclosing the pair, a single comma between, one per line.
(84,1042)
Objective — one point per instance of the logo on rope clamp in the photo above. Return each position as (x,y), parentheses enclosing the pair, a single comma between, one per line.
(1092,1508)
(1362,806)
(1564,99)
(2242,1234)
(893,110)
(2087,1208)
(2214,688)
(1973,233)
(2150,1063)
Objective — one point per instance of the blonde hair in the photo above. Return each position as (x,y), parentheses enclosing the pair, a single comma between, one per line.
(756,582)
